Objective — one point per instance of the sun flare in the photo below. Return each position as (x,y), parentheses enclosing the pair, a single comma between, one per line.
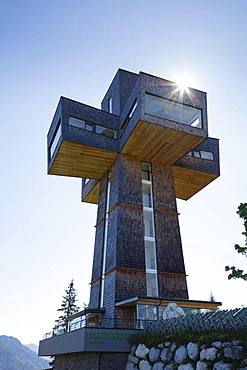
(184,81)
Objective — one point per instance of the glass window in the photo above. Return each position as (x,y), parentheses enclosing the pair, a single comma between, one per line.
(152,285)
(207,155)
(196,154)
(107,202)
(146,171)
(148,223)
(77,122)
(173,111)
(89,127)
(133,108)
(106,131)
(150,255)
(55,140)
(130,114)
(110,105)
(147,195)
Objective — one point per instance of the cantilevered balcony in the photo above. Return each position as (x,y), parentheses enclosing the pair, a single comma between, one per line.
(82,140)
(159,123)
(196,169)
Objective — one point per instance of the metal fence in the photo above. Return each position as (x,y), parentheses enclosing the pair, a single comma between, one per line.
(224,320)
(98,323)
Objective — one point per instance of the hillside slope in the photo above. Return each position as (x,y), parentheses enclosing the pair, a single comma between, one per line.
(16,356)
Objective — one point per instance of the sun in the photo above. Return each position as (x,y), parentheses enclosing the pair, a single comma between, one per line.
(184,81)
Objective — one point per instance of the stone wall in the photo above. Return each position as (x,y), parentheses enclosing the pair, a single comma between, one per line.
(168,356)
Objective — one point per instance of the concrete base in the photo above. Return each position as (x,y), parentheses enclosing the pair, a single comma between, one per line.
(91,361)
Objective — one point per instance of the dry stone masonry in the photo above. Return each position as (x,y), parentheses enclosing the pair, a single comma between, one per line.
(170,356)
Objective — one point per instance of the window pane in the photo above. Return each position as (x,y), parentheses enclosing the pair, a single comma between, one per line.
(150,255)
(106,131)
(173,111)
(152,286)
(147,195)
(89,127)
(207,155)
(148,223)
(76,122)
(132,109)
(196,154)
(55,140)
(110,105)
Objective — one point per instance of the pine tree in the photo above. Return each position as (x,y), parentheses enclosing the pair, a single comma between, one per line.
(235,272)
(212,299)
(68,307)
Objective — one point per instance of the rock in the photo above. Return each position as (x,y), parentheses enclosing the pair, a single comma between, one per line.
(234,352)
(161,345)
(217,345)
(130,366)
(222,366)
(133,359)
(166,355)
(173,311)
(144,365)
(193,351)
(244,362)
(236,342)
(141,351)
(154,354)
(201,365)
(132,350)
(226,344)
(180,355)
(173,347)
(209,354)
(167,344)
(185,367)
(169,367)
(158,366)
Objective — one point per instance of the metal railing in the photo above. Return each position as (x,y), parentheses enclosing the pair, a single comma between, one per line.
(97,323)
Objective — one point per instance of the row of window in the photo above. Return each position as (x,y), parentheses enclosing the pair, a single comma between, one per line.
(149,231)
(203,154)
(164,108)
(88,126)
(102,288)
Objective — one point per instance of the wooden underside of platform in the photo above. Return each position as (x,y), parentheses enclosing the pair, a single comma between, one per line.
(188,182)
(157,143)
(82,161)
(93,195)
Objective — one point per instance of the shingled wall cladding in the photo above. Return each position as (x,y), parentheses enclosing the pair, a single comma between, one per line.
(91,361)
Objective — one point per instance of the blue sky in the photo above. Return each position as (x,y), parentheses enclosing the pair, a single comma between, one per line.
(73,48)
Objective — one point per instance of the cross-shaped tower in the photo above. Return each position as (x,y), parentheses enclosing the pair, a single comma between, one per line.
(145,147)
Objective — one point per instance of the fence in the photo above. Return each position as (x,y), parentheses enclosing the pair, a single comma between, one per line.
(224,320)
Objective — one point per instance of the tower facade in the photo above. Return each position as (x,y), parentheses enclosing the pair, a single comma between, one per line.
(145,147)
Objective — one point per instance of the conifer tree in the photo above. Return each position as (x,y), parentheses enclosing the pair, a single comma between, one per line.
(68,307)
